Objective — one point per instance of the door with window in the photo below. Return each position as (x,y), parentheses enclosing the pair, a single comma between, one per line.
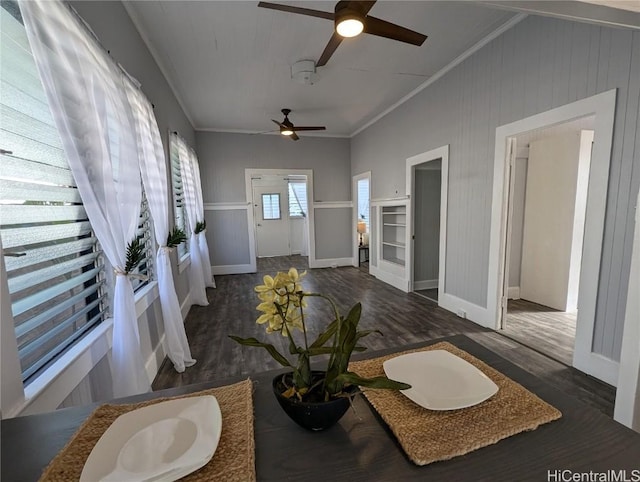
(270,204)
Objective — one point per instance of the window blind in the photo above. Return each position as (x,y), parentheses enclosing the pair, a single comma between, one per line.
(52,259)
(363,201)
(297,198)
(179,207)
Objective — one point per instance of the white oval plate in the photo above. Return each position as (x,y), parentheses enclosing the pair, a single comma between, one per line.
(160,442)
(440,380)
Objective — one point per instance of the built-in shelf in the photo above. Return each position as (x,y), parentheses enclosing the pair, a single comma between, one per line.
(397,244)
(394,233)
(395,260)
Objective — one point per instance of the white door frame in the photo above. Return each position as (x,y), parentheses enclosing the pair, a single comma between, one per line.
(354,195)
(311,238)
(432,155)
(603,107)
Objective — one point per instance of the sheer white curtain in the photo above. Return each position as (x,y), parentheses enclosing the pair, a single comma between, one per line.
(209,281)
(196,276)
(154,177)
(89,105)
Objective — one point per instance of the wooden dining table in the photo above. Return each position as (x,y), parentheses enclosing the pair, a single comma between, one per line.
(361,448)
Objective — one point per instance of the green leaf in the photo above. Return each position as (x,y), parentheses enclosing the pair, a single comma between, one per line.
(270,348)
(376,382)
(135,254)
(200,226)
(363,333)
(322,350)
(326,335)
(176,236)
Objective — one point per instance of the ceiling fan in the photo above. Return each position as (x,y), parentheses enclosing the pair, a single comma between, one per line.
(288,129)
(351,19)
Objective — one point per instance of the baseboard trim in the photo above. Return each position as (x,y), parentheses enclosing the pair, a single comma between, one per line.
(466,309)
(152,366)
(186,306)
(330,262)
(598,366)
(427,284)
(513,293)
(232,269)
(393,280)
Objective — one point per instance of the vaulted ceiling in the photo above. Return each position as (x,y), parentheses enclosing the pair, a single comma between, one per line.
(229,62)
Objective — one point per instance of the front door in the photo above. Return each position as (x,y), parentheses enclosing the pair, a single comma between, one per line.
(270,205)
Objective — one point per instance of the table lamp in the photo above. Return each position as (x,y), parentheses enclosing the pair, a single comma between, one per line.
(362,228)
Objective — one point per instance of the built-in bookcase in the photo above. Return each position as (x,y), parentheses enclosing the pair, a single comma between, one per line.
(394,225)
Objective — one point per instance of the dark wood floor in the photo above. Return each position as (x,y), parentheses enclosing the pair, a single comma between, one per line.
(404,318)
(544,329)
(430,294)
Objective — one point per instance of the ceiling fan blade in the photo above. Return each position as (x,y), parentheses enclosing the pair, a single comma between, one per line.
(331,47)
(294,137)
(309,128)
(366,6)
(382,28)
(281,125)
(299,10)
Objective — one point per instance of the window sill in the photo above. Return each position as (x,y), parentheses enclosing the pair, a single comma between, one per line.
(184,263)
(53,386)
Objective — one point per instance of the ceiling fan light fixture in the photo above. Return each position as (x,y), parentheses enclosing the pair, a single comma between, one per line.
(286,131)
(349,23)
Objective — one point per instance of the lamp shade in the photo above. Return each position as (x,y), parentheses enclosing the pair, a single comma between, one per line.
(362,227)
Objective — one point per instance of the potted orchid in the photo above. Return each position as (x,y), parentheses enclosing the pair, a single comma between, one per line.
(308,395)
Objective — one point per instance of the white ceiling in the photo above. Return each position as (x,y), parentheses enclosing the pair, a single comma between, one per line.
(228,62)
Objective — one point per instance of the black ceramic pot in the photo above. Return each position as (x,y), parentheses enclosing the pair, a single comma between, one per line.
(311,415)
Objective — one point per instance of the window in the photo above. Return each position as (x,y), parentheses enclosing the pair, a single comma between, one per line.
(53,260)
(55,268)
(179,207)
(297,199)
(271,206)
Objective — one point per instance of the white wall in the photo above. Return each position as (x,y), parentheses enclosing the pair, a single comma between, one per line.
(537,65)
(550,254)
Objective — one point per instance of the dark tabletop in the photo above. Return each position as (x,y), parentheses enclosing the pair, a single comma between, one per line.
(361,448)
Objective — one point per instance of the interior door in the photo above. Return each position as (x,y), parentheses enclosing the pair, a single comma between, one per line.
(271,215)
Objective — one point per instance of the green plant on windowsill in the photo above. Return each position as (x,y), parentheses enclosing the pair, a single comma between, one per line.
(282,305)
(176,237)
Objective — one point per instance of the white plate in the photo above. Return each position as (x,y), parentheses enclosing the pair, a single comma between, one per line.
(160,442)
(440,380)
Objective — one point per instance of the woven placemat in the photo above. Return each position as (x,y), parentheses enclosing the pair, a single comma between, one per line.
(234,459)
(428,436)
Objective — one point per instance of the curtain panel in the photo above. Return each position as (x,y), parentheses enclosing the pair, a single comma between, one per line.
(89,105)
(196,274)
(209,281)
(153,169)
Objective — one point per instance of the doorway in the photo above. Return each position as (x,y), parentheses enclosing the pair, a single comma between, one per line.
(427,177)
(279,213)
(602,108)
(361,194)
(545,231)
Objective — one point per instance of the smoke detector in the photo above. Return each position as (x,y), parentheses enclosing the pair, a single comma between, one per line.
(304,72)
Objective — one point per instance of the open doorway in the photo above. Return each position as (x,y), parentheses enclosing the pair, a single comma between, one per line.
(427,176)
(280,208)
(361,192)
(547,199)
